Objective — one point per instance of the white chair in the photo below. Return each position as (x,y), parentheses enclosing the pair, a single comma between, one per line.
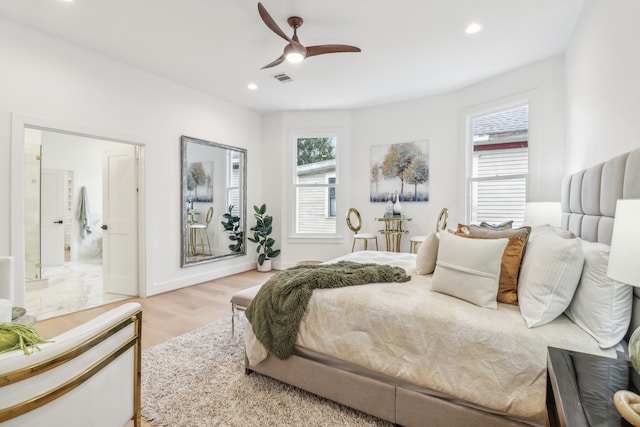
(199,230)
(365,237)
(415,242)
(6,278)
(87,376)
(441,224)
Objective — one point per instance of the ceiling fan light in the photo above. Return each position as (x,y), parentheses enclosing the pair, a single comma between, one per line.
(294,57)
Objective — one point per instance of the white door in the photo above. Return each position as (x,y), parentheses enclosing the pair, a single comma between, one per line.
(52,211)
(119,219)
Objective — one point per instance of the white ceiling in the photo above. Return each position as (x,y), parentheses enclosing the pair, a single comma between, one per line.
(410,48)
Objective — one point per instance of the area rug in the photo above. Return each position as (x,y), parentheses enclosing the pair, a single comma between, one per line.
(198,380)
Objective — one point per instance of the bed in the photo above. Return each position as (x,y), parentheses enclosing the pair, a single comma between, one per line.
(420,353)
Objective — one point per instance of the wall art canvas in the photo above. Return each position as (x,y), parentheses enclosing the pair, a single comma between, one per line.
(200,182)
(401,169)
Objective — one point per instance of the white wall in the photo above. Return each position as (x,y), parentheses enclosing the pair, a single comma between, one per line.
(584,109)
(438,119)
(603,84)
(50,80)
(543,84)
(279,131)
(432,118)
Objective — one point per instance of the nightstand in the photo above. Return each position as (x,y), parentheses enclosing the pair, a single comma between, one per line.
(580,388)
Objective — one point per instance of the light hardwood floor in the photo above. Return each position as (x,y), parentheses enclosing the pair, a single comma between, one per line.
(170,314)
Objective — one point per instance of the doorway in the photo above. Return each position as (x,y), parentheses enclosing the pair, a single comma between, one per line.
(73,259)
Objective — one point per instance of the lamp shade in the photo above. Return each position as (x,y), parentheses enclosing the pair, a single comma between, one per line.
(541,213)
(624,258)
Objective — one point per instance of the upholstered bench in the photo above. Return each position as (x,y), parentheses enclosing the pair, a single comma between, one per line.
(240,301)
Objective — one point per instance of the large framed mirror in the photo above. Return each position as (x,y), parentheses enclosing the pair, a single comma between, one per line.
(214,199)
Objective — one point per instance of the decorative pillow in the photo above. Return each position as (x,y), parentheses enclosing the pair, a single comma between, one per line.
(427,254)
(550,272)
(475,230)
(565,234)
(601,306)
(503,226)
(509,268)
(469,269)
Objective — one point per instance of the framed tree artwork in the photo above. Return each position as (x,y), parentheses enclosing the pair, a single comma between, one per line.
(200,182)
(400,169)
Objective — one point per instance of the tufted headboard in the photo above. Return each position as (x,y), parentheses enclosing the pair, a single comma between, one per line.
(589,202)
(589,196)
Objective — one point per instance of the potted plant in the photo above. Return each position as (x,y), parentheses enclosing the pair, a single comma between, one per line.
(232,226)
(261,232)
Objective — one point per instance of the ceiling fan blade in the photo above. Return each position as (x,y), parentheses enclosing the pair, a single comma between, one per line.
(274,63)
(268,20)
(330,48)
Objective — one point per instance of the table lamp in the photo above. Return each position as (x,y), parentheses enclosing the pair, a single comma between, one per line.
(541,213)
(623,267)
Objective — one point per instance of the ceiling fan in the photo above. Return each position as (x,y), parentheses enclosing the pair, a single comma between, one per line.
(295,51)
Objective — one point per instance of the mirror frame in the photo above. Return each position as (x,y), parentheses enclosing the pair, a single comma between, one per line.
(186,141)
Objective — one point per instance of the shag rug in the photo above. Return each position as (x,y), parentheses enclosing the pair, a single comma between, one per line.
(198,380)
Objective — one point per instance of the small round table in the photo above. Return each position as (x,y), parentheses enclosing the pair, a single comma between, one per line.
(393,230)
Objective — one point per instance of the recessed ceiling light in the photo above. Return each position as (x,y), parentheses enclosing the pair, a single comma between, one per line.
(252,86)
(473,28)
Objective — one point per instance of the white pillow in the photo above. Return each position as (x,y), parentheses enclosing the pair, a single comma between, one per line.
(541,229)
(427,254)
(549,275)
(601,306)
(469,269)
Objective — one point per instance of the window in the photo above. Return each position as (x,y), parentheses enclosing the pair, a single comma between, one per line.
(499,165)
(316,185)
(233,181)
(331,204)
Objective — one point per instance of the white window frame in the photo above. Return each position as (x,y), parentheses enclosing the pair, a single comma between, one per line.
(327,202)
(468,115)
(293,235)
(230,187)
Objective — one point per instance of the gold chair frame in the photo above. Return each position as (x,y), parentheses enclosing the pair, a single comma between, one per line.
(441,224)
(203,232)
(356,229)
(73,353)
(443,219)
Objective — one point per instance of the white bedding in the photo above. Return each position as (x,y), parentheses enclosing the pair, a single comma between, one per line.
(483,356)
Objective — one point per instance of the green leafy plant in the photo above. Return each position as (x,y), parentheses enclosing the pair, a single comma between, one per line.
(232,226)
(15,336)
(261,232)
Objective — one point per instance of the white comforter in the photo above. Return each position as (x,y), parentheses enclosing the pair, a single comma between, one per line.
(482,356)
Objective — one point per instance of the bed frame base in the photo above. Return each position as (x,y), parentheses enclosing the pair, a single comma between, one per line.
(393,403)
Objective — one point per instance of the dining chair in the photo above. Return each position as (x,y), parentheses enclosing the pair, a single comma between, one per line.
(198,231)
(441,224)
(356,226)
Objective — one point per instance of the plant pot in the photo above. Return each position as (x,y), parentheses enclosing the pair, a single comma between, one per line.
(266,266)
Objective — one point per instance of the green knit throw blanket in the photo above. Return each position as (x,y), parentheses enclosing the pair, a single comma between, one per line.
(277,309)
